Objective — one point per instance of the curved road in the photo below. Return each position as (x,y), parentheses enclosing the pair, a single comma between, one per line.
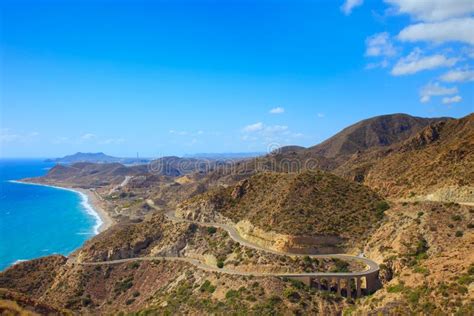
(372,267)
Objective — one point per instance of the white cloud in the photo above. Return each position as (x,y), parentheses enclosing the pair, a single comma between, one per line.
(253,127)
(379,45)
(277,110)
(381,64)
(455,30)
(349,5)
(415,62)
(458,76)
(88,136)
(8,136)
(433,10)
(435,89)
(112,141)
(276,129)
(180,133)
(450,100)
(321,115)
(267,134)
(444,28)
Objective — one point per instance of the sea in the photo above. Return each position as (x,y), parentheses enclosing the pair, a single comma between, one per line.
(37,221)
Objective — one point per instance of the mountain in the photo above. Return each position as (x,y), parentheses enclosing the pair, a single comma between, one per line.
(308,204)
(437,161)
(380,131)
(377,132)
(390,191)
(89,175)
(96,158)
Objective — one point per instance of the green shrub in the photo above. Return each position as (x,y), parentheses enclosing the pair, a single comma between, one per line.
(381,207)
(459,233)
(207,287)
(274,300)
(124,285)
(220,264)
(86,301)
(291,295)
(211,230)
(422,270)
(396,288)
(471,269)
(341,266)
(456,218)
(134,265)
(231,294)
(421,246)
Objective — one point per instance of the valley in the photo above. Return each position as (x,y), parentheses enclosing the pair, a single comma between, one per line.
(383,210)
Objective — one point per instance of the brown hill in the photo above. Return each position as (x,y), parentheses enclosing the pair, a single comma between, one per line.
(438,160)
(312,203)
(380,131)
(14,303)
(377,132)
(85,174)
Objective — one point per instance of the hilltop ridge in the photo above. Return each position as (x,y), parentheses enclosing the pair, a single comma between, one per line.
(367,191)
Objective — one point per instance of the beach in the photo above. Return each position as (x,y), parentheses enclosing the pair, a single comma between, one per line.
(91,202)
(95,202)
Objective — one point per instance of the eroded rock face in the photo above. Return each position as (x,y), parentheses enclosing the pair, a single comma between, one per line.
(287,243)
(453,194)
(240,189)
(204,211)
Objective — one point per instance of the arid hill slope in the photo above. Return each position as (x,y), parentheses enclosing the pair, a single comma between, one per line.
(380,131)
(311,203)
(374,133)
(438,161)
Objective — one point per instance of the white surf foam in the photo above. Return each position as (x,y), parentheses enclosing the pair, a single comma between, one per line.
(84,203)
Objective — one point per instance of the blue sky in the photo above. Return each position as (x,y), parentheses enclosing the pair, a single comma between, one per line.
(177,77)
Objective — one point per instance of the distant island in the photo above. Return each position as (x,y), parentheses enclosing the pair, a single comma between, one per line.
(97,158)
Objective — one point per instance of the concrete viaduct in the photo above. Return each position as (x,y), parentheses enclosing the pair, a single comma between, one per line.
(349,284)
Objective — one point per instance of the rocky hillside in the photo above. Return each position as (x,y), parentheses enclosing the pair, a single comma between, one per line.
(169,287)
(424,248)
(427,261)
(15,303)
(89,175)
(380,131)
(166,288)
(309,204)
(367,135)
(438,161)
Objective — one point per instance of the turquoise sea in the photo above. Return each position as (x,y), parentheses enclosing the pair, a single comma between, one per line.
(37,221)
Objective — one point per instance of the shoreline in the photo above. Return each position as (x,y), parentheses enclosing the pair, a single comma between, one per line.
(89,201)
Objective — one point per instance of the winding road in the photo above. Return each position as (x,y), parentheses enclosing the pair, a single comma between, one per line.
(372,268)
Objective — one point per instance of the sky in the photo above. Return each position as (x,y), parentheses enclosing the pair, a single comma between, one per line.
(182,77)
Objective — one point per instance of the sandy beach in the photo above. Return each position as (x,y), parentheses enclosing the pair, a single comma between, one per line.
(94,200)
(91,202)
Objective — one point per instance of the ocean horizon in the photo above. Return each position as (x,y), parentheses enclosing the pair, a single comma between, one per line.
(38,220)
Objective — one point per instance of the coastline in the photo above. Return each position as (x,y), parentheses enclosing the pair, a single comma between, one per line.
(89,201)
